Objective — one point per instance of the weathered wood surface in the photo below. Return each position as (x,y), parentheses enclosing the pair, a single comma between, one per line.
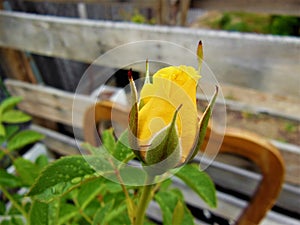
(246,99)
(146,3)
(57,142)
(266,63)
(16,64)
(49,103)
(285,7)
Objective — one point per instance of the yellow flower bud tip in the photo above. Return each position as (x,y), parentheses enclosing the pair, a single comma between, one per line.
(130,74)
(200,55)
(147,77)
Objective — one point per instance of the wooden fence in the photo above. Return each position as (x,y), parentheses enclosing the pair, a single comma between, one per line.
(262,64)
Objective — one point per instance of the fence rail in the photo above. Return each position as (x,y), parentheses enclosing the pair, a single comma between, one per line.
(285,7)
(261,62)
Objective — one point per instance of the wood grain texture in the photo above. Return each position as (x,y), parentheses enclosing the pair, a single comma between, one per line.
(286,7)
(16,65)
(266,63)
(270,163)
(49,103)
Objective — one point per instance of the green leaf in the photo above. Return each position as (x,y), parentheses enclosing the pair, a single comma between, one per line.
(165,184)
(12,221)
(89,191)
(122,150)
(178,213)
(102,213)
(15,116)
(67,211)
(9,180)
(92,149)
(108,140)
(11,130)
(44,214)
(112,213)
(23,138)
(5,222)
(27,170)
(2,130)
(42,161)
(2,208)
(111,187)
(60,177)
(2,154)
(200,182)
(9,103)
(204,123)
(168,201)
(16,221)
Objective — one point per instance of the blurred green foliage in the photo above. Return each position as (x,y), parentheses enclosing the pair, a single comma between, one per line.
(285,25)
(257,23)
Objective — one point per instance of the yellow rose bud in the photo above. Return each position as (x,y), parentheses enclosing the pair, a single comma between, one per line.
(164,125)
(171,87)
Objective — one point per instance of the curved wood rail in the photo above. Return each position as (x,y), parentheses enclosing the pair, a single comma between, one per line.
(270,163)
(238,142)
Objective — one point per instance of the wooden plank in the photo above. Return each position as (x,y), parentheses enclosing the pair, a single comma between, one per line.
(251,100)
(184,8)
(135,3)
(260,62)
(16,65)
(57,142)
(49,103)
(285,7)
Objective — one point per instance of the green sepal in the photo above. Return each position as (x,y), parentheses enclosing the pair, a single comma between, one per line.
(133,120)
(166,150)
(204,123)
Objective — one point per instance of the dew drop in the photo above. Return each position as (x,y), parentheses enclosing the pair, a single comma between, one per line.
(87,176)
(76,180)
(53,190)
